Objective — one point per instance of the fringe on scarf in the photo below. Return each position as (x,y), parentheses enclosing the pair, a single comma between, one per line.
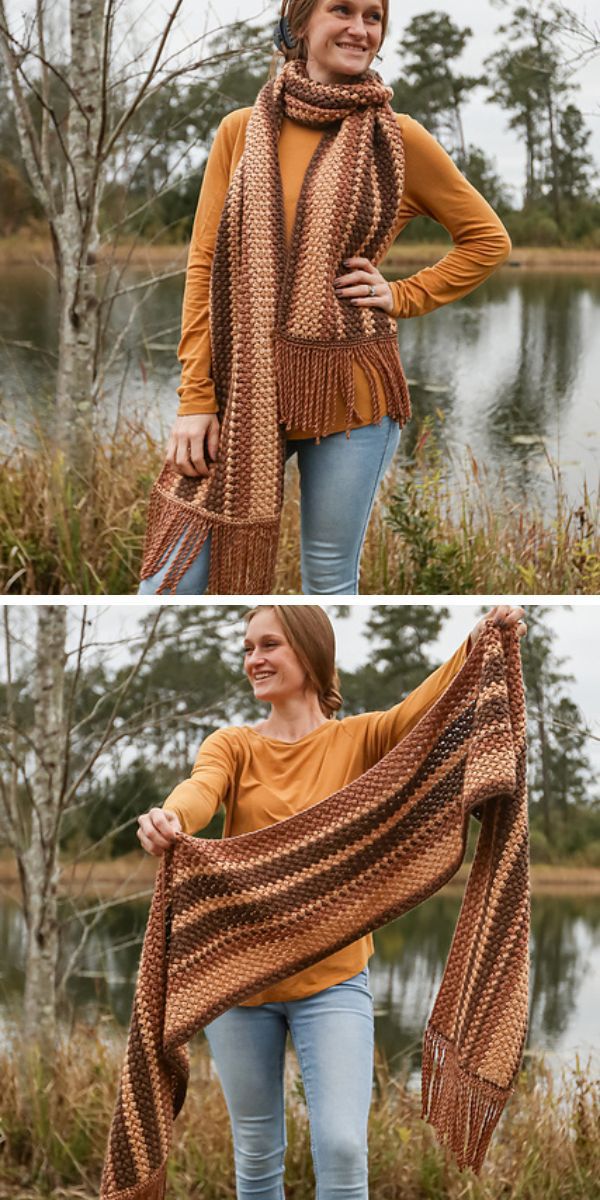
(463,1109)
(309,377)
(169,522)
(242,557)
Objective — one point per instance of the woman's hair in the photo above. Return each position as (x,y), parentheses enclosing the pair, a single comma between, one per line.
(310,634)
(298,13)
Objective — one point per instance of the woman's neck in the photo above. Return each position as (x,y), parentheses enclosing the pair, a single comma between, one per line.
(292,719)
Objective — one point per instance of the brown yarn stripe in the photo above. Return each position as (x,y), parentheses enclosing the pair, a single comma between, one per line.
(335,842)
(282,341)
(233,916)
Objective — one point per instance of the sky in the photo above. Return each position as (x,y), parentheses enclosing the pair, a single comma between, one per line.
(139,23)
(576,627)
(485,124)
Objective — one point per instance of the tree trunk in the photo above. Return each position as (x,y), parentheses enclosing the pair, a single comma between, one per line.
(554,163)
(38,864)
(75,233)
(546,787)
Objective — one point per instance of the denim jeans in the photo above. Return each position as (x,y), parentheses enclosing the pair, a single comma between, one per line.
(333,1036)
(339,479)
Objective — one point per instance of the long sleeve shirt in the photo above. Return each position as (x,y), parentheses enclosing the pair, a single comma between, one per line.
(261,780)
(434,187)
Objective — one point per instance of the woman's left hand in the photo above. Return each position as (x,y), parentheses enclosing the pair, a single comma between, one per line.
(503,615)
(352,285)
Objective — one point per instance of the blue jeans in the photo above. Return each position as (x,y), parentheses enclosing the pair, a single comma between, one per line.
(339,479)
(333,1036)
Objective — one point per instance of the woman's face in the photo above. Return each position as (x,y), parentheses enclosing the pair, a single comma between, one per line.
(342,39)
(271,665)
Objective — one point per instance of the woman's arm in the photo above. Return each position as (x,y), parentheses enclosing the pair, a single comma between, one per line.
(389,727)
(197,390)
(196,800)
(192,804)
(434,187)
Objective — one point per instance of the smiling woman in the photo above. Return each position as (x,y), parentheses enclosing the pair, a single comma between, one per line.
(263,774)
(337,41)
(289,338)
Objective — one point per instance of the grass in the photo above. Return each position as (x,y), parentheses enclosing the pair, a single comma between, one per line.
(61,534)
(53,1132)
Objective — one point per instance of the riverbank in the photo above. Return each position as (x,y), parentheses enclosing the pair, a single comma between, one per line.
(24,250)
(54,1136)
(429,533)
(134,873)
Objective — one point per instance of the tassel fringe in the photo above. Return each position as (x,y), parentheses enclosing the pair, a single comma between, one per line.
(242,556)
(168,523)
(243,559)
(310,376)
(462,1108)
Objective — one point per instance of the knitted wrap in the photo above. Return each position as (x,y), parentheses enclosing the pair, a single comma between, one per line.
(282,342)
(232,916)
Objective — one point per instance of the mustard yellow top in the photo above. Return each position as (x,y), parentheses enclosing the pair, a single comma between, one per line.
(434,187)
(261,780)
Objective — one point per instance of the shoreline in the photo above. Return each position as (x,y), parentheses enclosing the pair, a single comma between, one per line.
(20,251)
(133,874)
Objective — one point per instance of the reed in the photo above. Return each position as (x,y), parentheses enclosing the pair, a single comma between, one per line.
(431,532)
(53,1131)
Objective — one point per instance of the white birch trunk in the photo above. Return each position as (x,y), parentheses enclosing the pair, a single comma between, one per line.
(38,863)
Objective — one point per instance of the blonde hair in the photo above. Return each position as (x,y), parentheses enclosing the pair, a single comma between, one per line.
(311,636)
(298,14)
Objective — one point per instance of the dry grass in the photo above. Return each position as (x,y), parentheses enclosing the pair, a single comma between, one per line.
(53,1132)
(61,534)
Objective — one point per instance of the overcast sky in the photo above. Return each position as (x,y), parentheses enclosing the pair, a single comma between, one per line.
(576,626)
(485,124)
(139,24)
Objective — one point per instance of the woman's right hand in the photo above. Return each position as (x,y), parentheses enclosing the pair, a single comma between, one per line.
(157,829)
(192,439)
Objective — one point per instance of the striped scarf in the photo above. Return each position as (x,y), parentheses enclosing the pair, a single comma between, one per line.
(229,917)
(282,342)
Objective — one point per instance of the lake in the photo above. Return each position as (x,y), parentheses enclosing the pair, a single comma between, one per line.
(513,368)
(405,973)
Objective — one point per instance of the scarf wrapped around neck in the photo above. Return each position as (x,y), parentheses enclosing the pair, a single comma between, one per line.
(232,916)
(282,342)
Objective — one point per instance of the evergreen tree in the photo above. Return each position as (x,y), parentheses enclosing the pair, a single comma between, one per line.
(430,88)
(576,169)
(399,638)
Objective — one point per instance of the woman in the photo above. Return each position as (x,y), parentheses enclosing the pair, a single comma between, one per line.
(289,332)
(292,759)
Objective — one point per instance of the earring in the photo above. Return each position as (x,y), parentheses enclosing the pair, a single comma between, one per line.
(282,35)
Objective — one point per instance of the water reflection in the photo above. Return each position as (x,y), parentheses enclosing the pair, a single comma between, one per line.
(405,972)
(513,368)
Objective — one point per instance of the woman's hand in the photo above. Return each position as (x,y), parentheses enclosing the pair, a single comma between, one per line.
(352,285)
(504,615)
(157,830)
(186,450)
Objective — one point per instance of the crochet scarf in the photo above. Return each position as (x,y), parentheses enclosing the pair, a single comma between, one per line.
(282,342)
(232,916)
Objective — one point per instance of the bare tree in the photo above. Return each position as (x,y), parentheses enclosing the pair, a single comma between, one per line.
(37,784)
(57,737)
(86,112)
